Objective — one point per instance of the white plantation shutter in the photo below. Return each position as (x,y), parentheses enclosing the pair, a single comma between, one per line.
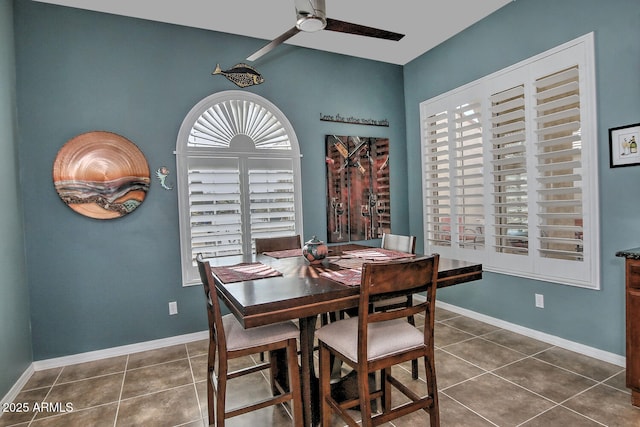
(559,163)
(437,193)
(272,197)
(509,171)
(215,207)
(238,177)
(516,152)
(453,153)
(222,122)
(469,176)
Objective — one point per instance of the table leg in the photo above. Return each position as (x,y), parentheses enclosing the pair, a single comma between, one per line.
(308,378)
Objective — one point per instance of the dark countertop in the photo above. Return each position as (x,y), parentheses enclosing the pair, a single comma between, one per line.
(629,253)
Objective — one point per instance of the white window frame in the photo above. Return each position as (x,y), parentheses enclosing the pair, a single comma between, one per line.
(584,270)
(240,131)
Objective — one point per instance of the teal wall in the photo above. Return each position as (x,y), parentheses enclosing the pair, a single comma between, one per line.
(15,333)
(98,284)
(517,31)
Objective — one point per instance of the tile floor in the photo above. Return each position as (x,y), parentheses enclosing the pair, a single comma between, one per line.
(486,377)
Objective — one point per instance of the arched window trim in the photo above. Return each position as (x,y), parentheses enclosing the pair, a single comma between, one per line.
(237,114)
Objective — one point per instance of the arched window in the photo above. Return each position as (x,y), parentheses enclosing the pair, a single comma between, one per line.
(238,172)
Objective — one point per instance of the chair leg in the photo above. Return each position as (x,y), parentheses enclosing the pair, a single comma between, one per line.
(324,319)
(365,399)
(294,383)
(211,361)
(278,372)
(385,386)
(414,369)
(221,396)
(434,411)
(414,363)
(210,401)
(273,372)
(383,400)
(325,386)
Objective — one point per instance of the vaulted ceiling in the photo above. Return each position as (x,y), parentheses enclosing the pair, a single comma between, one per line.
(425,23)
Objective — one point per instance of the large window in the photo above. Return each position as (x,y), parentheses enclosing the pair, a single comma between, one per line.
(510,169)
(238,168)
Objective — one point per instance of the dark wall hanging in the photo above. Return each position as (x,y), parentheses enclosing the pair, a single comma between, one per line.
(101,175)
(358,199)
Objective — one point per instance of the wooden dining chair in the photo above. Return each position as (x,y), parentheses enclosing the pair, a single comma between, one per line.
(269,244)
(229,340)
(376,341)
(272,244)
(398,242)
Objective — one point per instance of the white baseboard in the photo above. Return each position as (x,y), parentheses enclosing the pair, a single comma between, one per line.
(118,351)
(605,356)
(17,387)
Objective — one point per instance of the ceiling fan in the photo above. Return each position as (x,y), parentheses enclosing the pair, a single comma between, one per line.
(312,17)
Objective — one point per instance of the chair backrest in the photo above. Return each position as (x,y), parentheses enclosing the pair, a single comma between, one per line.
(388,279)
(398,242)
(214,315)
(269,244)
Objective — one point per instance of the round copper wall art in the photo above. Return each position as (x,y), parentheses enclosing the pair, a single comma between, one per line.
(101,175)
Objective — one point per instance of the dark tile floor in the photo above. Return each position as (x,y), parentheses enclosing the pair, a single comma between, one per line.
(486,377)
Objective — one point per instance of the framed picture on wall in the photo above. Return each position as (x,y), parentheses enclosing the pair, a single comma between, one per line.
(624,142)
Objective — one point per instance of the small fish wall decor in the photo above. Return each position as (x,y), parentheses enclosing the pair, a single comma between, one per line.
(162,174)
(242,75)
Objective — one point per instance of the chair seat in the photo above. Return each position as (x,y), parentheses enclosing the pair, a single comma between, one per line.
(383,339)
(239,338)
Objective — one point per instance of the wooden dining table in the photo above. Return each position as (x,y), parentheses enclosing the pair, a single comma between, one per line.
(302,292)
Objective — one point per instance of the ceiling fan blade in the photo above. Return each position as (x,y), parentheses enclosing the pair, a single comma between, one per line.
(275,43)
(361,30)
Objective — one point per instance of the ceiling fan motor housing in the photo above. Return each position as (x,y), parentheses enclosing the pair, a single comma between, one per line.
(311,15)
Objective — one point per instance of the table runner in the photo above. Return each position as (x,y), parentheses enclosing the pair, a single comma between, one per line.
(244,271)
(349,277)
(379,254)
(287,253)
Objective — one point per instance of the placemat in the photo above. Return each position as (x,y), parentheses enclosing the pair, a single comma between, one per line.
(379,254)
(245,271)
(287,253)
(348,262)
(349,277)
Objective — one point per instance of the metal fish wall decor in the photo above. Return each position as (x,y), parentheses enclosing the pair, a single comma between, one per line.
(242,75)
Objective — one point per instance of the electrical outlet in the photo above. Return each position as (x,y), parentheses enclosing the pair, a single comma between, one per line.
(173,308)
(539,301)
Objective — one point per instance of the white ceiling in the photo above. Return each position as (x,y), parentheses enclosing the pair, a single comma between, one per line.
(425,23)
